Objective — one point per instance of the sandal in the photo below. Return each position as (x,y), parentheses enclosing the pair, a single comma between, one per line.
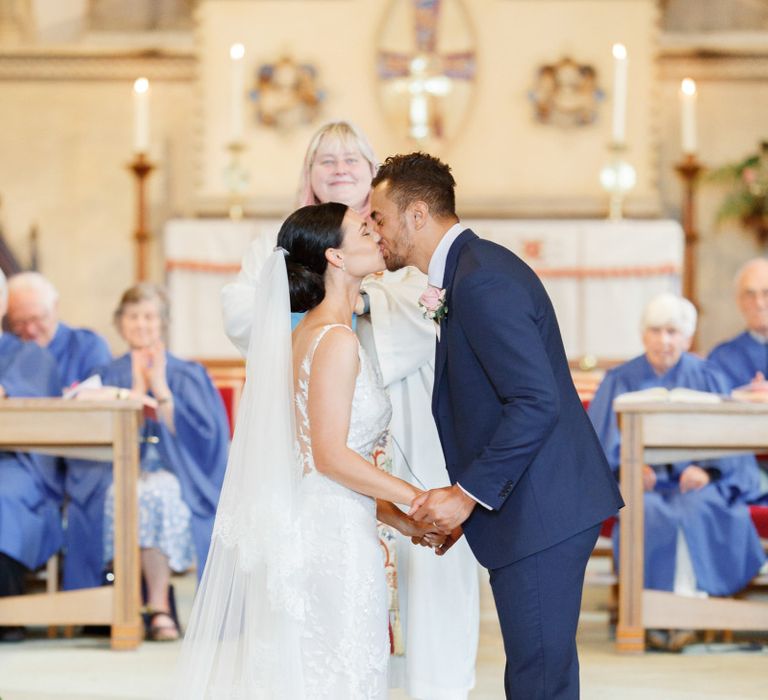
(164,631)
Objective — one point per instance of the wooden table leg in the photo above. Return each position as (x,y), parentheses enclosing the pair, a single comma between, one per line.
(126,620)
(630,634)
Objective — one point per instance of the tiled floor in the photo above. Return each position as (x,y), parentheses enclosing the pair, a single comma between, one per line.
(85,669)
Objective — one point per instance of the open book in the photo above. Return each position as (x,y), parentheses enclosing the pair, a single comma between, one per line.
(659,393)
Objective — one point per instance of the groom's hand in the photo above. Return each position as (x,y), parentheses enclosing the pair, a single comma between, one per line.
(446,508)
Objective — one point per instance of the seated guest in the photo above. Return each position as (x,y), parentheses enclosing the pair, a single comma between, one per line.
(30,519)
(745,357)
(699,538)
(33,316)
(183,451)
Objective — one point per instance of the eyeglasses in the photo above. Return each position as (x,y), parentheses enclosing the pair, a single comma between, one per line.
(36,320)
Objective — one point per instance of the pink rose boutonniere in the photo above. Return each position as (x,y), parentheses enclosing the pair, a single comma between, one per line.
(433,303)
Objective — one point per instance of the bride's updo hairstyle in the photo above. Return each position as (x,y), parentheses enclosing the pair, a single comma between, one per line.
(306,235)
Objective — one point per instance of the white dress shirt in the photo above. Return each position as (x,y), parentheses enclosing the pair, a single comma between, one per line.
(436,270)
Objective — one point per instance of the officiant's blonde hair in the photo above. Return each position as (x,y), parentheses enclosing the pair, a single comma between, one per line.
(669,309)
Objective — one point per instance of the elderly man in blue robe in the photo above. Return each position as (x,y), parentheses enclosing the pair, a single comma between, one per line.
(699,538)
(744,359)
(30,485)
(33,316)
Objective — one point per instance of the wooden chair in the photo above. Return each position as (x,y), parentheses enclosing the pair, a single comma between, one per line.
(228,376)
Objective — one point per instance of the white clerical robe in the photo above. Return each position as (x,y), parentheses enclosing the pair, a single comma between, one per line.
(439,603)
(439,600)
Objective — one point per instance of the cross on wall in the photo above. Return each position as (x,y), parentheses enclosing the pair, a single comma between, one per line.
(426,74)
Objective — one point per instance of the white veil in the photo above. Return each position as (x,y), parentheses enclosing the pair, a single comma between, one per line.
(243,638)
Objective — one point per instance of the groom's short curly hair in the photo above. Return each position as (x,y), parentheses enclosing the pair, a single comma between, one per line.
(419,177)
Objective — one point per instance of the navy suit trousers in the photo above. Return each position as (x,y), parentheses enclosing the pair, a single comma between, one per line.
(538,599)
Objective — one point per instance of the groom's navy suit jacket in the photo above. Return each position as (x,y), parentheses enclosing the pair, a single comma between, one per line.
(513,430)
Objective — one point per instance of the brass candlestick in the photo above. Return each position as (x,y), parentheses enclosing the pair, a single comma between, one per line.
(689,169)
(141,168)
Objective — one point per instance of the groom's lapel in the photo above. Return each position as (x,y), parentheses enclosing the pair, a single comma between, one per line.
(451,263)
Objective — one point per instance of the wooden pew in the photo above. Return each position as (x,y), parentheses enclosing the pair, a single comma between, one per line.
(103,430)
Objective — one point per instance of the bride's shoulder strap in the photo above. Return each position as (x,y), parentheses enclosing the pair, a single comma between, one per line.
(321,334)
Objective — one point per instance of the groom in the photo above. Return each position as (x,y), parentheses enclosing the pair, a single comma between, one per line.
(530,483)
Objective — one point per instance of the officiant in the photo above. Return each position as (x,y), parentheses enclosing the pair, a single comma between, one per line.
(699,537)
(339,165)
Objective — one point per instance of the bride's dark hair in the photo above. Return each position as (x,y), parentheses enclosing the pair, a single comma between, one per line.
(306,235)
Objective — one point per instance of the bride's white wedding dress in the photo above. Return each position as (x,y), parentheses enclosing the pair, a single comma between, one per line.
(345,641)
(292,603)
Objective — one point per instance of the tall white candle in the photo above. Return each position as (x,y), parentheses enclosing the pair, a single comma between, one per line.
(688,115)
(236,54)
(618,133)
(141,115)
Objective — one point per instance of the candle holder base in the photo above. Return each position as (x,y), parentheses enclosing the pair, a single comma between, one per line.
(689,170)
(617,178)
(236,177)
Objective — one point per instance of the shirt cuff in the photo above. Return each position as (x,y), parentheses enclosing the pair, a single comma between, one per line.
(474,498)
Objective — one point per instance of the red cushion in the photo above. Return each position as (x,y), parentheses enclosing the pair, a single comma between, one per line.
(228,397)
(760,519)
(607,529)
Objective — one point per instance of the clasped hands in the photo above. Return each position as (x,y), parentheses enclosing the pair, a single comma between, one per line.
(440,512)
(692,478)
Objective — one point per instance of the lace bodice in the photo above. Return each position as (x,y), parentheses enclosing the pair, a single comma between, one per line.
(371,409)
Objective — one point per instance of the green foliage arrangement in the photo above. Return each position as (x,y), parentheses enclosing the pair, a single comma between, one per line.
(747,200)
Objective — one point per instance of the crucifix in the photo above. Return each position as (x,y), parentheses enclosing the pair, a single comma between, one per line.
(425,73)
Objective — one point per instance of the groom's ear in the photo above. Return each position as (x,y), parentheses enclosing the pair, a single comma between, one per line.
(419,213)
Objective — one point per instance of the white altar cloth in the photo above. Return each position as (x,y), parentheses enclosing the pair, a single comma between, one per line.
(598,273)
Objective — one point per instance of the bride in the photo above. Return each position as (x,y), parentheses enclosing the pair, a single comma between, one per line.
(292,603)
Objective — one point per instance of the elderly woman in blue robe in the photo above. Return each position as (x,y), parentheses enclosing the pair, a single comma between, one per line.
(30,485)
(183,452)
(699,538)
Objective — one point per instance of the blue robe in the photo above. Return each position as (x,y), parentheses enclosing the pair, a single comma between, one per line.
(196,455)
(30,484)
(78,352)
(724,547)
(740,358)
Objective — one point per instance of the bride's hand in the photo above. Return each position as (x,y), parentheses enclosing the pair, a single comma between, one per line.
(425,534)
(450,540)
